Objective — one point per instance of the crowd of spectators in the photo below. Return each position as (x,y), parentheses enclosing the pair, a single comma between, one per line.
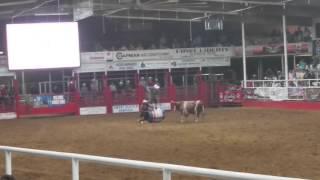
(219,39)
(166,42)
(299,34)
(302,71)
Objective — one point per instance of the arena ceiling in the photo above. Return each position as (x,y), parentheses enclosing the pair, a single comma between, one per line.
(300,11)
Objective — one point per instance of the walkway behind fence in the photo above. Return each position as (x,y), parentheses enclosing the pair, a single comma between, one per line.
(166,169)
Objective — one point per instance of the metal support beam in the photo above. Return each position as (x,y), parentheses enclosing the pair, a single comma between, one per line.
(284,24)
(8,162)
(50,82)
(23,83)
(75,169)
(166,174)
(244,58)
(149,18)
(247,2)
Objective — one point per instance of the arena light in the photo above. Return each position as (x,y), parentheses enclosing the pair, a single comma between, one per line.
(43,45)
(52,14)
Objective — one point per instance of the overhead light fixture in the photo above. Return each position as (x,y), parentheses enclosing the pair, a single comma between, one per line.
(52,14)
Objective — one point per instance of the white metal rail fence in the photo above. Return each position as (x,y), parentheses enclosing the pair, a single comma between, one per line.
(299,89)
(166,169)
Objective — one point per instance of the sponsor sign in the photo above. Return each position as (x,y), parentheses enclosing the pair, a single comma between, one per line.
(122,66)
(143,55)
(8,115)
(164,64)
(167,54)
(125,108)
(96,57)
(203,52)
(93,110)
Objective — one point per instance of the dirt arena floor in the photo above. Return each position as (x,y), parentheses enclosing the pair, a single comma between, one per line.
(275,142)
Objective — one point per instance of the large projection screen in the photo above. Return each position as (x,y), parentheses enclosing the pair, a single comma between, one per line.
(43,45)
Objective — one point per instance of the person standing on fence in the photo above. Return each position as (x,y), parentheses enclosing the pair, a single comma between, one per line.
(156,92)
(94,87)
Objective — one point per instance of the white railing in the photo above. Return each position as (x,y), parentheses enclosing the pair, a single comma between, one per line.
(301,83)
(167,169)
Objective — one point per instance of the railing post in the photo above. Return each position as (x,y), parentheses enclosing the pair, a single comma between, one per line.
(8,162)
(166,174)
(75,169)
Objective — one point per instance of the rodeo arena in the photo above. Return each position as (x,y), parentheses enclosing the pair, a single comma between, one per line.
(159,89)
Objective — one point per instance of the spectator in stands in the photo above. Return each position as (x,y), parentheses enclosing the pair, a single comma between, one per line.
(142,82)
(131,47)
(302,65)
(175,44)
(163,42)
(94,85)
(84,89)
(254,77)
(153,46)
(121,87)
(197,41)
(307,34)
(140,47)
(123,48)
(7,177)
(72,87)
(298,35)
(128,87)
(269,74)
(113,89)
(56,89)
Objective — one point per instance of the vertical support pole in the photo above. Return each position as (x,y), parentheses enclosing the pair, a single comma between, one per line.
(23,83)
(190,31)
(63,83)
(78,81)
(294,62)
(260,69)
(284,24)
(75,169)
(244,58)
(39,87)
(166,174)
(50,82)
(282,64)
(17,97)
(8,162)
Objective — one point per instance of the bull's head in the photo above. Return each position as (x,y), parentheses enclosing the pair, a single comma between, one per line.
(176,105)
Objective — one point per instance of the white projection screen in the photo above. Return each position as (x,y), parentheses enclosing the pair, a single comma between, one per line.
(43,45)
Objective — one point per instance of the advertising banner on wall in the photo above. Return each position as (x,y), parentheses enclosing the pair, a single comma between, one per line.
(96,57)
(167,54)
(203,52)
(142,55)
(125,108)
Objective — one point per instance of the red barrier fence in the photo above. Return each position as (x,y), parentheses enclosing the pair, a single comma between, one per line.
(119,100)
